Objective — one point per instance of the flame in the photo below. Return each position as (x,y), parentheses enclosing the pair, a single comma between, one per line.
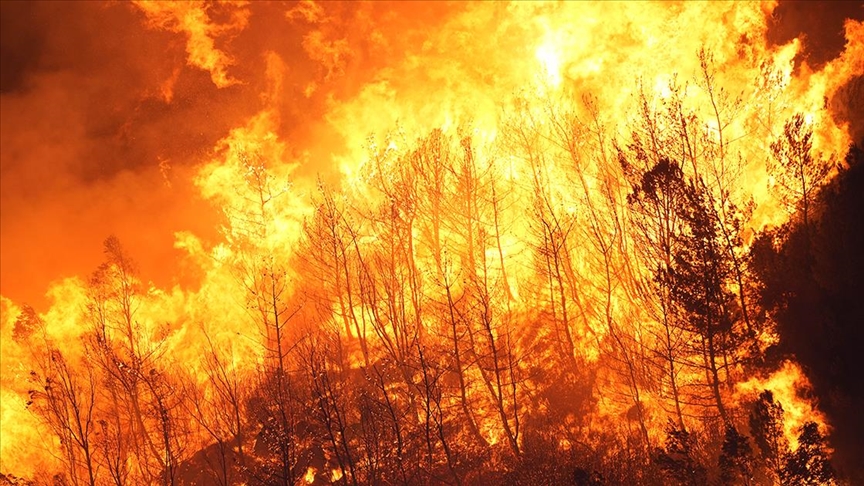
(411,194)
(309,477)
(26,443)
(192,19)
(550,59)
(789,386)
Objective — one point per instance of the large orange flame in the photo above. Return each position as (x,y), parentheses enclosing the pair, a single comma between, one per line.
(453,203)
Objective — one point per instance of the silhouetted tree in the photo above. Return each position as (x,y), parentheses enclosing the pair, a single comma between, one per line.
(679,458)
(809,284)
(736,458)
(766,425)
(809,464)
(140,417)
(691,269)
(801,174)
(66,401)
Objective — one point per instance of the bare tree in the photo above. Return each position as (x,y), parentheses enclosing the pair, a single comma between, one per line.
(330,404)
(129,356)
(329,238)
(65,398)
(219,407)
(604,228)
(799,174)
(268,296)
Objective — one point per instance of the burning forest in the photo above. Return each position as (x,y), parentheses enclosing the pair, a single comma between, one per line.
(292,243)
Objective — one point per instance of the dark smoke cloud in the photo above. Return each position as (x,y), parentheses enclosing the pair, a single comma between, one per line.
(820,26)
(19,45)
(83,131)
(819,22)
(847,106)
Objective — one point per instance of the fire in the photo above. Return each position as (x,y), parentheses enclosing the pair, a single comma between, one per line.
(550,60)
(450,242)
(309,477)
(193,20)
(787,384)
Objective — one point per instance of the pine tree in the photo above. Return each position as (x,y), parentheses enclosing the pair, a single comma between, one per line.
(809,464)
(678,458)
(736,458)
(766,425)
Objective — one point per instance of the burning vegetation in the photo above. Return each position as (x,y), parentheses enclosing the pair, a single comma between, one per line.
(483,243)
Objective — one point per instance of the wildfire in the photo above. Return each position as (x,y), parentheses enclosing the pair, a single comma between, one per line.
(787,385)
(451,241)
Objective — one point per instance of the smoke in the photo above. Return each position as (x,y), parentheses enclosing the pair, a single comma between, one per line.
(107,109)
(90,147)
(193,20)
(819,24)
